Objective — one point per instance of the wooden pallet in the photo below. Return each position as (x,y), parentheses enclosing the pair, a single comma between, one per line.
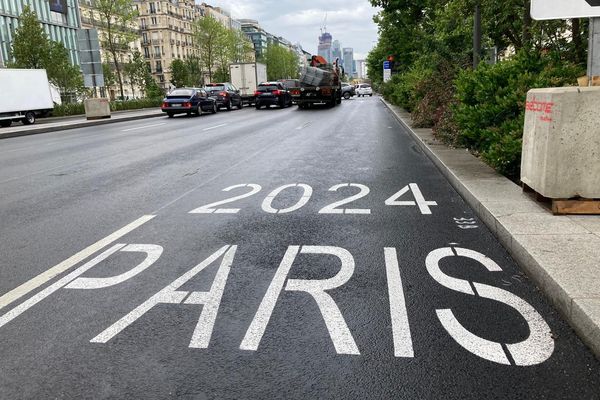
(574,206)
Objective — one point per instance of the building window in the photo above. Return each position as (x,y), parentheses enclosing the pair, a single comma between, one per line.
(152,8)
(156,51)
(146,52)
(154,21)
(159,67)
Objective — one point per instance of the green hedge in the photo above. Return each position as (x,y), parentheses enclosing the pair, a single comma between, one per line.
(78,109)
(480,109)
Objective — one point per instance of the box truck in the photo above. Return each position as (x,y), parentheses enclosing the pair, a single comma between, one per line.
(25,94)
(246,77)
(319,83)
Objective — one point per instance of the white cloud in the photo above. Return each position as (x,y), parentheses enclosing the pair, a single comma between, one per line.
(349,21)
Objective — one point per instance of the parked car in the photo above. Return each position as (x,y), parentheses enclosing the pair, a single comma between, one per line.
(363,89)
(348,90)
(272,93)
(226,95)
(188,101)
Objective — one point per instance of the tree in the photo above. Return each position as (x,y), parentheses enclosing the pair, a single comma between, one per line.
(281,62)
(208,37)
(194,71)
(151,88)
(115,19)
(136,70)
(109,76)
(31,46)
(179,73)
(62,73)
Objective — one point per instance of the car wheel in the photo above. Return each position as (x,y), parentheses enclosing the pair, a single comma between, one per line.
(170,115)
(198,111)
(371,95)
(214,108)
(257,106)
(281,103)
(29,118)
(347,95)
(228,106)
(5,123)
(240,105)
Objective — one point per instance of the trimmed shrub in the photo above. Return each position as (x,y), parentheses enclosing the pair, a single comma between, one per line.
(69,109)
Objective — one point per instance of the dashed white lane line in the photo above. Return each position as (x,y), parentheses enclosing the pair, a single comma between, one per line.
(47,275)
(143,127)
(213,127)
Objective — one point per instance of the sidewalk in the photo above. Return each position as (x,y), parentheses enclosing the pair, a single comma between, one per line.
(560,253)
(53,124)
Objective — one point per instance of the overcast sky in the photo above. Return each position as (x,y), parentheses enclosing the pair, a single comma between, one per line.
(349,21)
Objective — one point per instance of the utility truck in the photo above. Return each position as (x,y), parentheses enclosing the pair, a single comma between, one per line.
(319,84)
(25,95)
(246,78)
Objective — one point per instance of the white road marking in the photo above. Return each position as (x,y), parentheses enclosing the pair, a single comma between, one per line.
(44,277)
(143,127)
(171,295)
(536,349)
(213,127)
(268,201)
(334,320)
(403,346)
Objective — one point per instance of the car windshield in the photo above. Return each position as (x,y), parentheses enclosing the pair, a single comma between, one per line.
(267,87)
(214,88)
(181,93)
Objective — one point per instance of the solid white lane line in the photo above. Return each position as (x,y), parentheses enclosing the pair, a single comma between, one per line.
(213,127)
(45,276)
(142,127)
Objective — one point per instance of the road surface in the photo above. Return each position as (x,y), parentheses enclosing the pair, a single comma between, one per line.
(288,254)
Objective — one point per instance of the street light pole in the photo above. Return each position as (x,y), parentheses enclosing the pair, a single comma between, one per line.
(476,36)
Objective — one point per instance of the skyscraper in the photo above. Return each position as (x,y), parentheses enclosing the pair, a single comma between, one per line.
(348,53)
(325,46)
(336,50)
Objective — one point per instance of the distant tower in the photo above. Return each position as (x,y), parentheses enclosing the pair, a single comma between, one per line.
(348,61)
(336,51)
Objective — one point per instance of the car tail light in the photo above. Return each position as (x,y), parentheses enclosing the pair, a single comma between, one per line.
(224,94)
(296,92)
(186,104)
(276,92)
(257,93)
(165,104)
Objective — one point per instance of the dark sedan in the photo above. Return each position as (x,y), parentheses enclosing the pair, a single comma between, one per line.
(272,93)
(188,101)
(226,94)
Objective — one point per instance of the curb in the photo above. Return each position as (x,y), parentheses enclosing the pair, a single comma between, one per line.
(82,124)
(584,320)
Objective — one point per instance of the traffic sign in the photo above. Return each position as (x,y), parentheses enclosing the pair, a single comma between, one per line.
(563,9)
(386,65)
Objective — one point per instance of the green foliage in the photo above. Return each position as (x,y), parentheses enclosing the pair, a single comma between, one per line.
(281,62)
(431,41)
(136,70)
(78,109)
(116,20)
(179,73)
(491,104)
(31,46)
(62,73)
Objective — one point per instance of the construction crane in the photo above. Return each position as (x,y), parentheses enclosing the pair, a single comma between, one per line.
(324,26)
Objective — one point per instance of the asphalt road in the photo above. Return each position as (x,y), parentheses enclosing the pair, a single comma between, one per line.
(336,263)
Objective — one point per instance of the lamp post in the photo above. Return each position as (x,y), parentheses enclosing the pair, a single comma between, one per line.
(476,36)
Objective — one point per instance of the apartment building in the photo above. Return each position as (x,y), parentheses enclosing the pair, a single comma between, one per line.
(59,18)
(166,34)
(221,15)
(90,19)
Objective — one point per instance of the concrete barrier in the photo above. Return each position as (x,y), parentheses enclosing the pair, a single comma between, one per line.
(97,108)
(561,142)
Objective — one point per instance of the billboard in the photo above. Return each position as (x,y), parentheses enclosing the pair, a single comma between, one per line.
(59,6)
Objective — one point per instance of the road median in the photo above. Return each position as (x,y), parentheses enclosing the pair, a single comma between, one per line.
(65,123)
(561,254)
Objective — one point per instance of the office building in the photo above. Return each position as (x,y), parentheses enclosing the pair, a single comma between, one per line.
(336,51)
(348,54)
(59,18)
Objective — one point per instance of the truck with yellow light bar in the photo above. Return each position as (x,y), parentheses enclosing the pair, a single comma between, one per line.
(320,83)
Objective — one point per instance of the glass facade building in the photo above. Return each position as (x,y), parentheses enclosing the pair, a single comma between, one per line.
(60,20)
